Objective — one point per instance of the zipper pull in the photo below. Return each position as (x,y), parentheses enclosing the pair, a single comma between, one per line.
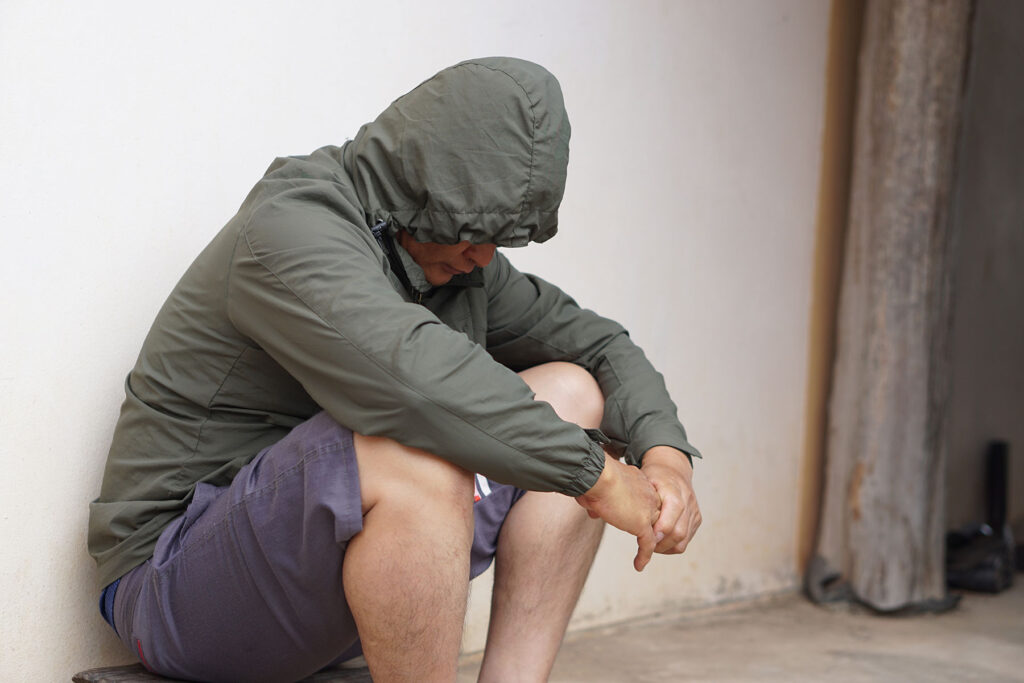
(378,234)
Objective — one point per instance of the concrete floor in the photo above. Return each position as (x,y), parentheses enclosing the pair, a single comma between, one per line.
(789,639)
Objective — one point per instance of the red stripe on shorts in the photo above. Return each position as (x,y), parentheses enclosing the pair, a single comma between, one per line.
(142,656)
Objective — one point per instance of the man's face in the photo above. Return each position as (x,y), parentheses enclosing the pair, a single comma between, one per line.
(441,262)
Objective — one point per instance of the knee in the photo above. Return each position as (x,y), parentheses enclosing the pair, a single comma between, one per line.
(572,392)
(405,477)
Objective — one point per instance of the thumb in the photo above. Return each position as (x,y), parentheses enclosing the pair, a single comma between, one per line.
(645,549)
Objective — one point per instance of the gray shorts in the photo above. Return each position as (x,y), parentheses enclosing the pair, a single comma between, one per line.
(246,585)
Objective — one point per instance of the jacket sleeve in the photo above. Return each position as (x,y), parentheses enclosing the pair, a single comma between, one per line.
(312,291)
(531,321)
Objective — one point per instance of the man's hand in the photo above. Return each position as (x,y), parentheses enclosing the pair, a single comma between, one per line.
(671,473)
(624,498)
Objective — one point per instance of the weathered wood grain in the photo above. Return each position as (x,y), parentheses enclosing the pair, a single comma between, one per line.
(882,520)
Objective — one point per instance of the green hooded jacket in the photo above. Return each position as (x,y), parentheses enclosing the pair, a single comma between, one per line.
(295,307)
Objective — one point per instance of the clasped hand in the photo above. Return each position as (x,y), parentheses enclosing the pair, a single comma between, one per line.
(655,503)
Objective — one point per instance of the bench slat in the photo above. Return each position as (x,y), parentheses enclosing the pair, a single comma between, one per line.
(136,673)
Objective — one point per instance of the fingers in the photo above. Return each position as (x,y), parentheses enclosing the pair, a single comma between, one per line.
(626,498)
(665,528)
(645,549)
(678,547)
(679,518)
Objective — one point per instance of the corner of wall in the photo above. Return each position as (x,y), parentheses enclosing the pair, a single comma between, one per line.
(833,202)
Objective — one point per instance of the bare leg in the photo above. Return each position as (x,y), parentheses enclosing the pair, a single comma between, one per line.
(545,550)
(406,575)
(544,554)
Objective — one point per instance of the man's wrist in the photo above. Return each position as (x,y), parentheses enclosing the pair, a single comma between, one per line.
(669,457)
(604,482)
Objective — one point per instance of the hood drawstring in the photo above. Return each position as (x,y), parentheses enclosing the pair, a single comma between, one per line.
(387,245)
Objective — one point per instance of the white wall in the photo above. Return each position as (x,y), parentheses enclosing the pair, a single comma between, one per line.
(130,132)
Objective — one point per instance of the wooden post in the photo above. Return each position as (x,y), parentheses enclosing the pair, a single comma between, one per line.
(882,524)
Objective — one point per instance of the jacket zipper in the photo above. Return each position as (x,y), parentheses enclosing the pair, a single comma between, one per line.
(385,242)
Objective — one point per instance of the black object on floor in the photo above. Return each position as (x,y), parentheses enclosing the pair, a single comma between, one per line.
(978,559)
(982,557)
(996,482)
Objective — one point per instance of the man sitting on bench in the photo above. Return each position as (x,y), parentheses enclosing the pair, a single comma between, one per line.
(351,402)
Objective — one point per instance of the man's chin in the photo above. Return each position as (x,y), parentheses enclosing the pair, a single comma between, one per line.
(438,279)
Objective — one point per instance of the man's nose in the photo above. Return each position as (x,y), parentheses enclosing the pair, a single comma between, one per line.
(481,254)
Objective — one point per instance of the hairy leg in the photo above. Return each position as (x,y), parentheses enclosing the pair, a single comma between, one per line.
(545,550)
(406,575)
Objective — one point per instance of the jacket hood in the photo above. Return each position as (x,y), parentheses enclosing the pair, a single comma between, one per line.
(478,153)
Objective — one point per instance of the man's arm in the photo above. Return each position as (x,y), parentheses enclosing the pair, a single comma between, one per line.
(530,322)
(310,290)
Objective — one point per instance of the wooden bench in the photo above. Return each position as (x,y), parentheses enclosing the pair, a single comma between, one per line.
(136,673)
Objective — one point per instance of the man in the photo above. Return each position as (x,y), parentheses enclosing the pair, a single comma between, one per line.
(292,475)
